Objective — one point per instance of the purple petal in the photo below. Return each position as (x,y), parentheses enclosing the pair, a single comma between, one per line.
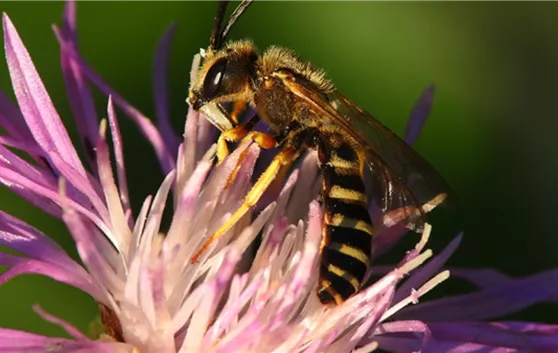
(427,271)
(483,278)
(13,169)
(79,96)
(24,178)
(161,93)
(487,277)
(14,341)
(14,162)
(34,102)
(35,191)
(145,126)
(74,276)
(69,26)
(516,336)
(88,186)
(12,120)
(419,114)
(23,238)
(504,337)
(28,146)
(40,115)
(44,203)
(490,302)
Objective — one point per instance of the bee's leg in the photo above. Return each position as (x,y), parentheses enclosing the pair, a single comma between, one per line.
(235,134)
(262,139)
(238,107)
(284,157)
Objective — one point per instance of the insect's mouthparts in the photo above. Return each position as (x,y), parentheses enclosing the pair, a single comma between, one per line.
(194,100)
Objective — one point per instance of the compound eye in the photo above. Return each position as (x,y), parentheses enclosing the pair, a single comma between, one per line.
(214,78)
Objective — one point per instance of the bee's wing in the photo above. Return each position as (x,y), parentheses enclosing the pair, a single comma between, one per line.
(404,181)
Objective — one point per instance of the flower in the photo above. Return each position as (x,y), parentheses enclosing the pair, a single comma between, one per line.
(153,299)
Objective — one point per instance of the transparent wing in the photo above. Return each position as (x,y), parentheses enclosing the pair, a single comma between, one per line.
(403,180)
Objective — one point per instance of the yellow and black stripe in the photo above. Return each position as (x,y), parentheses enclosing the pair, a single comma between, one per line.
(347,230)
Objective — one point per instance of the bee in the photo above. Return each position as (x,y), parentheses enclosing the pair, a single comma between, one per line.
(304,110)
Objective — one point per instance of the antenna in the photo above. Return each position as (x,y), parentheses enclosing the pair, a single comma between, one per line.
(218,35)
(215,40)
(234,17)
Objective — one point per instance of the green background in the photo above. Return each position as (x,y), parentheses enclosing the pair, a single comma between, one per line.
(491,132)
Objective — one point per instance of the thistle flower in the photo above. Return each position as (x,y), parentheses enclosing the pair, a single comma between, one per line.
(153,299)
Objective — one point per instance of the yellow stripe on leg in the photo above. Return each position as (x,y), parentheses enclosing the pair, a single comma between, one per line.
(284,157)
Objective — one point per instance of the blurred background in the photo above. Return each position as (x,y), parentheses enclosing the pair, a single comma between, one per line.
(491,132)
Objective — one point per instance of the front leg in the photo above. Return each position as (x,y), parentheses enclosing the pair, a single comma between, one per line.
(240,132)
(284,158)
(261,139)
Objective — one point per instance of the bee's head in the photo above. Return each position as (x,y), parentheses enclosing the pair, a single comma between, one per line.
(227,70)
(225,75)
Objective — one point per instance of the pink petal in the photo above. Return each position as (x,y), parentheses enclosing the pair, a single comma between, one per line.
(120,234)
(119,157)
(185,208)
(57,321)
(84,188)
(34,102)
(400,336)
(205,133)
(190,146)
(14,341)
(95,253)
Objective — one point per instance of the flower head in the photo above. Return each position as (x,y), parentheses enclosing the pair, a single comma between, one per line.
(152,298)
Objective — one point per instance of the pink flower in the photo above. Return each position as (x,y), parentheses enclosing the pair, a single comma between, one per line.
(154,299)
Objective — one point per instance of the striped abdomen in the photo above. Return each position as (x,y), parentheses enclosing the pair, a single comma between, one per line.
(347,228)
